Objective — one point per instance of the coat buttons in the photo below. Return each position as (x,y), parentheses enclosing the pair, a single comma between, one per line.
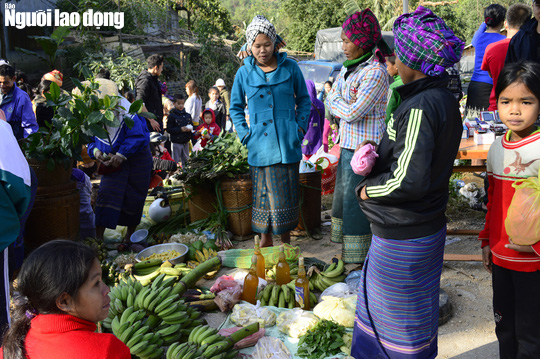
(269,92)
(261,96)
(264,123)
(270,106)
(265,134)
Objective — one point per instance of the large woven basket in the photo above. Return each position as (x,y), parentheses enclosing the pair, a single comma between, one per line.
(237,199)
(55,214)
(202,201)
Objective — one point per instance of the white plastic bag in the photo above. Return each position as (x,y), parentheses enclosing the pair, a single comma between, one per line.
(338,290)
(246,313)
(271,348)
(296,322)
(306,167)
(328,159)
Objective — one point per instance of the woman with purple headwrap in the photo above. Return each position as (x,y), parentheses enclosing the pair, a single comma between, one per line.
(358,98)
(405,195)
(313,138)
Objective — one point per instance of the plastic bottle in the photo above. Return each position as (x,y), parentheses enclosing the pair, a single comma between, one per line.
(251,282)
(283,272)
(301,286)
(261,271)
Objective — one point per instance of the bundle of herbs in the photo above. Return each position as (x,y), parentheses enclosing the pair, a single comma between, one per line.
(323,340)
(225,156)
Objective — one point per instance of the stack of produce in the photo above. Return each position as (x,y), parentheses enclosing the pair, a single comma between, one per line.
(204,342)
(150,314)
(338,310)
(202,256)
(98,247)
(332,275)
(146,271)
(281,296)
(271,273)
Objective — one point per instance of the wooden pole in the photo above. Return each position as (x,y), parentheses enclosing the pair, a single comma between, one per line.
(405,6)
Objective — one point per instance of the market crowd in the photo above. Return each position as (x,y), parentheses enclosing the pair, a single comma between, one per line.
(393,107)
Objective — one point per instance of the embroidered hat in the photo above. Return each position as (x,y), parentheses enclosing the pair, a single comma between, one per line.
(363,29)
(54,76)
(259,25)
(425,43)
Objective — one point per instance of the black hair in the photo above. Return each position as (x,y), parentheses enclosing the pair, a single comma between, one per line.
(329,82)
(178,96)
(21,77)
(154,60)
(130,96)
(103,73)
(525,72)
(213,88)
(494,15)
(44,86)
(26,88)
(56,267)
(517,15)
(391,59)
(7,70)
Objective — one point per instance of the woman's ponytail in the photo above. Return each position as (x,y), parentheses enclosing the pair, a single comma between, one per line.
(13,342)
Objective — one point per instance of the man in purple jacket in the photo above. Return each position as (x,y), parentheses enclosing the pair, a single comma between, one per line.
(16,104)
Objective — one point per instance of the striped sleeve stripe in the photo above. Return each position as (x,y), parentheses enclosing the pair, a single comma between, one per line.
(415,119)
(390,128)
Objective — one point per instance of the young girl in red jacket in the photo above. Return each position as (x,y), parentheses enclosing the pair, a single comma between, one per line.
(63,297)
(515,268)
(208,129)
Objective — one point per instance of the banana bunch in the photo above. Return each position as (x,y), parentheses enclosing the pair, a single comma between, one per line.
(190,350)
(332,275)
(202,256)
(147,271)
(98,247)
(271,273)
(281,296)
(153,315)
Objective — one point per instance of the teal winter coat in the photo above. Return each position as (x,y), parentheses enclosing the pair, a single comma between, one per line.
(279,109)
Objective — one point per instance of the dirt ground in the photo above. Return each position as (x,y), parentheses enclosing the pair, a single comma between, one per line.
(469,333)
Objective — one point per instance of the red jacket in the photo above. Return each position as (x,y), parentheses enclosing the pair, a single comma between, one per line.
(63,336)
(508,162)
(213,128)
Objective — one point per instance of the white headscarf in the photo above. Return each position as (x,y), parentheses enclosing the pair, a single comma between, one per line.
(259,25)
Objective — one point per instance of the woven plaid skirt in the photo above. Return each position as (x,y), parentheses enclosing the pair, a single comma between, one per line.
(276,204)
(397,311)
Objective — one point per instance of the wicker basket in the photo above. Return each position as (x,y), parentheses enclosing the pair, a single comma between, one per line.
(202,201)
(61,174)
(237,199)
(55,214)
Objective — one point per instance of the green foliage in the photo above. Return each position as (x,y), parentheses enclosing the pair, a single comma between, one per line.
(137,13)
(76,120)
(209,18)
(325,339)
(306,17)
(50,45)
(124,69)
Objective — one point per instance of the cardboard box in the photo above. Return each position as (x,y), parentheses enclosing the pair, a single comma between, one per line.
(485,138)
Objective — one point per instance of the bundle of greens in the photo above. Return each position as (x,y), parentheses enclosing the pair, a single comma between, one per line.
(225,156)
(325,339)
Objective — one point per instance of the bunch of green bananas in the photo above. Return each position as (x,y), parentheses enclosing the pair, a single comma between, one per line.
(202,256)
(146,271)
(281,296)
(204,342)
(332,275)
(150,316)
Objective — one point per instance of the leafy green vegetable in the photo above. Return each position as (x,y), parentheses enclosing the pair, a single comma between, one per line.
(323,340)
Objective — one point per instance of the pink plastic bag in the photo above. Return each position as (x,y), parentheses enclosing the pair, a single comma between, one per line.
(364,159)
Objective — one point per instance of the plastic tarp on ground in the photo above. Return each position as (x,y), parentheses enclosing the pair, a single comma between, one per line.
(328,44)
(273,331)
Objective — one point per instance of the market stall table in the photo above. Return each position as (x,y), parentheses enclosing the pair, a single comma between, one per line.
(468,150)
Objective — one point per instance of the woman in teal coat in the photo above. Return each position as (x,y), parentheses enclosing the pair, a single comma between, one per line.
(279,105)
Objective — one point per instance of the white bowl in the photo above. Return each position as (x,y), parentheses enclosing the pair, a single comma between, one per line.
(139,235)
(160,248)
